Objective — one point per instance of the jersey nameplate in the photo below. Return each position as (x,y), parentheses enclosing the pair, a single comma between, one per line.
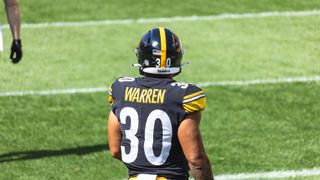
(152,96)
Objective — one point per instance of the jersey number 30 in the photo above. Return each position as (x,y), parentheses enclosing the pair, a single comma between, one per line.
(148,136)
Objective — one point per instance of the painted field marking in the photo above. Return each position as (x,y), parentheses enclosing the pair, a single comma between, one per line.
(203,84)
(268,175)
(261,81)
(171,19)
(271,174)
(54,91)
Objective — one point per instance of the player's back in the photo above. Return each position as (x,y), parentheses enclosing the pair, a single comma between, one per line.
(150,111)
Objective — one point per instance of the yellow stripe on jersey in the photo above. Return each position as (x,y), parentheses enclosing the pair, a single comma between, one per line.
(163,40)
(110,98)
(196,105)
(161,178)
(193,95)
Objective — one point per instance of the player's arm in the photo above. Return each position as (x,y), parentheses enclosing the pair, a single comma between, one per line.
(13,14)
(191,143)
(114,136)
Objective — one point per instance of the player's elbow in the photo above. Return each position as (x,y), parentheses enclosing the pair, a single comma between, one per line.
(115,153)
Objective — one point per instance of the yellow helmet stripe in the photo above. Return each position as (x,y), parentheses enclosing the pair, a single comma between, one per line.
(163,47)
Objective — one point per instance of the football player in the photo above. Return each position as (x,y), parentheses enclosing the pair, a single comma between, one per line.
(13,15)
(153,126)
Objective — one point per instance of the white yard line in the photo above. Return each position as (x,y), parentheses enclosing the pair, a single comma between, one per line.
(171,19)
(203,84)
(271,175)
(267,175)
(54,91)
(261,81)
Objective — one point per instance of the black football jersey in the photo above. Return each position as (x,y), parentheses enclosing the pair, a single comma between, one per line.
(150,111)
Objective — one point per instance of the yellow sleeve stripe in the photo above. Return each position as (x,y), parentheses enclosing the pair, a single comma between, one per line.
(193,98)
(196,105)
(110,99)
(193,95)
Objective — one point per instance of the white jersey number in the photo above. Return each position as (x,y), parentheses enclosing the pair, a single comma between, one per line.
(130,134)
(149,134)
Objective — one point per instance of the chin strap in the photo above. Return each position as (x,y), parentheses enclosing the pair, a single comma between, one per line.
(137,65)
(140,68)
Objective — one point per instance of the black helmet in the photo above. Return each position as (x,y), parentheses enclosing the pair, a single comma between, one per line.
(159,52)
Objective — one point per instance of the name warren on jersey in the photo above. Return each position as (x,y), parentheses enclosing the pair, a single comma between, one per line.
(149,111)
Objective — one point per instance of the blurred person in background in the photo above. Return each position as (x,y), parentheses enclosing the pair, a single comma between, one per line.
(13,15)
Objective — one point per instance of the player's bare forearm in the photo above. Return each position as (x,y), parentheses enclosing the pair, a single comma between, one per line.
(13,15)
(114,136)
(191,143)
(203,172)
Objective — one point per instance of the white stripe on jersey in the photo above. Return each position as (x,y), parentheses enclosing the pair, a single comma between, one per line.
(193,98)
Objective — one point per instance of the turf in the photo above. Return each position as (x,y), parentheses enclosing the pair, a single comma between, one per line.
(73,10)
(77,57)
(64,139)
(273,124)
(298,178)
(245,129)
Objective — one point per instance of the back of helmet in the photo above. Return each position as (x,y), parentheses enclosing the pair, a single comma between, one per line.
(159,53)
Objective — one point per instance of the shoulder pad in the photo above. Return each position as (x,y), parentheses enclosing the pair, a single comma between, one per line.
(194,99)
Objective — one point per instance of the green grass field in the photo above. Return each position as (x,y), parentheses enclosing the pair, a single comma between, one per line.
(73,10)
(258,128)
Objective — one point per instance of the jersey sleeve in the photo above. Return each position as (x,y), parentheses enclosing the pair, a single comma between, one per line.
(115,93)
(112,93)
(194,99)
(110,97)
